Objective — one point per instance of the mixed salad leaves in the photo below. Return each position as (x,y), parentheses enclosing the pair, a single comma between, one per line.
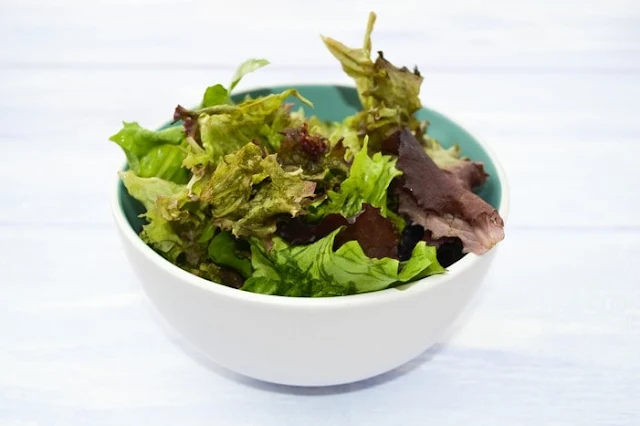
(259,197)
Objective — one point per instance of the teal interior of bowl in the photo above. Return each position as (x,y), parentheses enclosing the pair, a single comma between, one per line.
(334,103)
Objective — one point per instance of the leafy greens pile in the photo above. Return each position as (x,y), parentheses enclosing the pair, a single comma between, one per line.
(258,197)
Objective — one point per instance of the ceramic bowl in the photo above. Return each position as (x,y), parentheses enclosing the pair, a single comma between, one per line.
(306,341)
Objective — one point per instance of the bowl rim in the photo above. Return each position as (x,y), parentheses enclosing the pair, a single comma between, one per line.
(381,296)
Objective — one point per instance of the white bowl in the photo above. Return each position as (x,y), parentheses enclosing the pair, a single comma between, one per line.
(303,341)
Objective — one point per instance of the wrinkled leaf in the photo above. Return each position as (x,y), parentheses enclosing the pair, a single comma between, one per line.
(285,193)
(230,186)
(320,159)
(226,128)
(381,243)
(165,162)
(153,153)
(172,229)
(356,62)
(296,231)
(158,196)
(247,191)
(441,204)
(389,95)
(396,88)
(337,133)
(224,249)
(299,148)
(415,268)
(470,174)
(315,270)
(375,234)
(207,270)
(368,181)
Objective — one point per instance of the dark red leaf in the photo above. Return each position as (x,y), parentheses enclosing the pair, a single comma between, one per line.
(411,235)
(470,174)
(449,250)
(231,277)
(439,202)
(375,233)
(190,120)
(297,232)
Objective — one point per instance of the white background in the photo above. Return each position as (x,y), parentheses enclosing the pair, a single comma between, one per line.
(552,86)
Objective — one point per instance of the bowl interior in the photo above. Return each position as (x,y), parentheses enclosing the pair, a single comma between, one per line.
(334,103)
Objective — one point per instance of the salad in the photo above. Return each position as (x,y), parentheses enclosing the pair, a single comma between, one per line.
(263,198)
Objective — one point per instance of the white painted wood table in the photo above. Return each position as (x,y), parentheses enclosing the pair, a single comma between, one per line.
(553,86)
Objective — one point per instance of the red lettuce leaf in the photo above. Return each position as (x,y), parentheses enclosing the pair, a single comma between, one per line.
(301,149)
(439,202)
(470,174)
(297,232)
(311,151)
(375,234)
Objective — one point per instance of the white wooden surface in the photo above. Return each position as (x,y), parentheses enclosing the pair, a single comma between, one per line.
(553,86)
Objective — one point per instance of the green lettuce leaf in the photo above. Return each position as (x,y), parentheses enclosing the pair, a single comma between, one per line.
(397,88)
(336,132)
(229,188)
(207,270)
(389,95)
(348,136)
(245,68)
(226,128)
(368,182)
(163,201)
(315,270)
(286,193)
(154,153)
(223,250)
(215,95)
(247,191)
(219,95)
(312,152)
(356,62)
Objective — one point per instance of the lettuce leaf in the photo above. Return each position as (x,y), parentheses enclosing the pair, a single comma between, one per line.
(179,231)
(154,153)
(286,193)
(215,95)
(389,95)
(356,62)
(224,251)
(315,270)
(245,68)
(247,191)
(226,128)
(336,132)
(469,174)
(320,159)
(437,201)
(173,229)
(229,188)
(219,95)
(368,182)
(375,234)
(381,243)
